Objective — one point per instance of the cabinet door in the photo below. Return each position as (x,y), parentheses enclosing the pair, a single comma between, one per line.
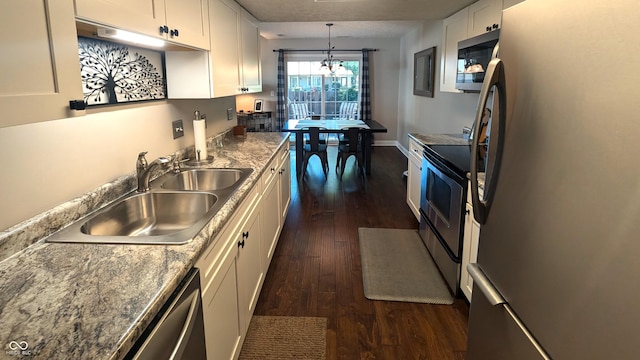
(141,16)
(454,29)
(285,184)
(469,250)
(220,311)
(225,56)
(271,224)
(484,15)
(413,187)
(250,274)
(250,49)
(191,19)
(39,68)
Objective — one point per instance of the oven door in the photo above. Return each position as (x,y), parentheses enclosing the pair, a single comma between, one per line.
(441,203)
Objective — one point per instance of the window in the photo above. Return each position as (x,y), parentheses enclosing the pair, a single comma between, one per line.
(312,94)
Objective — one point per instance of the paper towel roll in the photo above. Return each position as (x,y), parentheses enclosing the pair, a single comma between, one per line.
(200,134)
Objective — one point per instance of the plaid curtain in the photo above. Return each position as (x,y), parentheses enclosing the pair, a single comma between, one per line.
(281,114)
(365,94)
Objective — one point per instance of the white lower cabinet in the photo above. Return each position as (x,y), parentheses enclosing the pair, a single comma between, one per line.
(271,214)
(469,249)
(285,183)
(228,279)
(233,267)
(276,182)
(220,310)
(414,177)
(248,263)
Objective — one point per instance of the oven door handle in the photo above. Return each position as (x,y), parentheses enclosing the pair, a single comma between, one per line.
(494,77)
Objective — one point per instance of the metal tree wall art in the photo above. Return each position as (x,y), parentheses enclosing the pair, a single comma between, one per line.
(115,73)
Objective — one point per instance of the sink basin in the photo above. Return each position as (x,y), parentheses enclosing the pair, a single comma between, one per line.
(202,179)
(151,214)
(178,206)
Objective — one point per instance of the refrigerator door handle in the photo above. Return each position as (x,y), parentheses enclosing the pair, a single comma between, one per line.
(494,77)
(484,284)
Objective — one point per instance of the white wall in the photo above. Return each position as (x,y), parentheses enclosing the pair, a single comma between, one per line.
(444,113)
(384,66)
(48,163)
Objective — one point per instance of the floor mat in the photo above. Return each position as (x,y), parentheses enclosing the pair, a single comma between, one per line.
(285,337)
(396,266)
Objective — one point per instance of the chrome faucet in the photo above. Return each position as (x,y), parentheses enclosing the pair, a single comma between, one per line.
(143,170)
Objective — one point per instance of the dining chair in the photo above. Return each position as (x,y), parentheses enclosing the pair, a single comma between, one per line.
(315,145)
(348,110)
(352,146)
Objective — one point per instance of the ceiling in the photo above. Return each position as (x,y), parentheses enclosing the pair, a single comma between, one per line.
(304,19)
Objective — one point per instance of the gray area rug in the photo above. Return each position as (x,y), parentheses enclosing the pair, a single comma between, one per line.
(396,266)
(285,337)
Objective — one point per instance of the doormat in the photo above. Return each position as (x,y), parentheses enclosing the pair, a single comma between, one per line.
(396,266)
(285,337)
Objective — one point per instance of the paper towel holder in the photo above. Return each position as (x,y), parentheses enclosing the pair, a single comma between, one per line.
(196,162)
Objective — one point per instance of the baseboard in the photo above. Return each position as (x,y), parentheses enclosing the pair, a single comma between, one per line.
(385,142)
(402,149)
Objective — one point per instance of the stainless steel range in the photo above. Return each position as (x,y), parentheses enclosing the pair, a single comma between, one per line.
(442,204)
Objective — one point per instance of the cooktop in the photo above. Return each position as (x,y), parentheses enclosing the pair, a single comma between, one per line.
(455,157)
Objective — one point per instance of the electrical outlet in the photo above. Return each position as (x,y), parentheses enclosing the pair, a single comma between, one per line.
(273,93)
(177,128)
(230,114)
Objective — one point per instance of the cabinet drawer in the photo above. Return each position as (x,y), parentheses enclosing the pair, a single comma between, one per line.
(415,150)
(270,172)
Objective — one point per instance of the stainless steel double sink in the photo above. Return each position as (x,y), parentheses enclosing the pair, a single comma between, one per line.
(176,208)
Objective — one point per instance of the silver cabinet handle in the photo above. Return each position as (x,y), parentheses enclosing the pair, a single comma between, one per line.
(190,322)
(496,77)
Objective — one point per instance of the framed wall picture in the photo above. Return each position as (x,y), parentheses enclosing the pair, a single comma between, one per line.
(424,72)
(257,105)
(114,73)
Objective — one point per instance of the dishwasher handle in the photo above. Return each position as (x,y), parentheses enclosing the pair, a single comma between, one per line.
(187,329)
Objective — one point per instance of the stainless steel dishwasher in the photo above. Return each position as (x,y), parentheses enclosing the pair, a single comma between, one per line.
(177,332)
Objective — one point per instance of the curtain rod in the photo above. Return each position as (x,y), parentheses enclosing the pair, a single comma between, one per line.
(322,50)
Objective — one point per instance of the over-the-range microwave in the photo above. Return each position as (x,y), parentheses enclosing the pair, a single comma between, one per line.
(474,55)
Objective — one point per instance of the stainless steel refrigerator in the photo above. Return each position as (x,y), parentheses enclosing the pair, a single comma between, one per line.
(558,269)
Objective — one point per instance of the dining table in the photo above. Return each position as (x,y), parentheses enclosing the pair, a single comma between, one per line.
(334,126)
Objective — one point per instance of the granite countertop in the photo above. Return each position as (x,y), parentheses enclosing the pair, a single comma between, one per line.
(92,301)
(440,139)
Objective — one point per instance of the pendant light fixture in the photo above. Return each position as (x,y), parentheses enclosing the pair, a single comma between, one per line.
(329,66)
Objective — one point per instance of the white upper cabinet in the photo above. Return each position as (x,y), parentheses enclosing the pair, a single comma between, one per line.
(454,29)
(250,45)
(190,19)
(39,69)
(184,22)
(232,67)
(484,16)
(225,52)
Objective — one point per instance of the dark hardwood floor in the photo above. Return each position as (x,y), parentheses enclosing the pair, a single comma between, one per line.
(316,266)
